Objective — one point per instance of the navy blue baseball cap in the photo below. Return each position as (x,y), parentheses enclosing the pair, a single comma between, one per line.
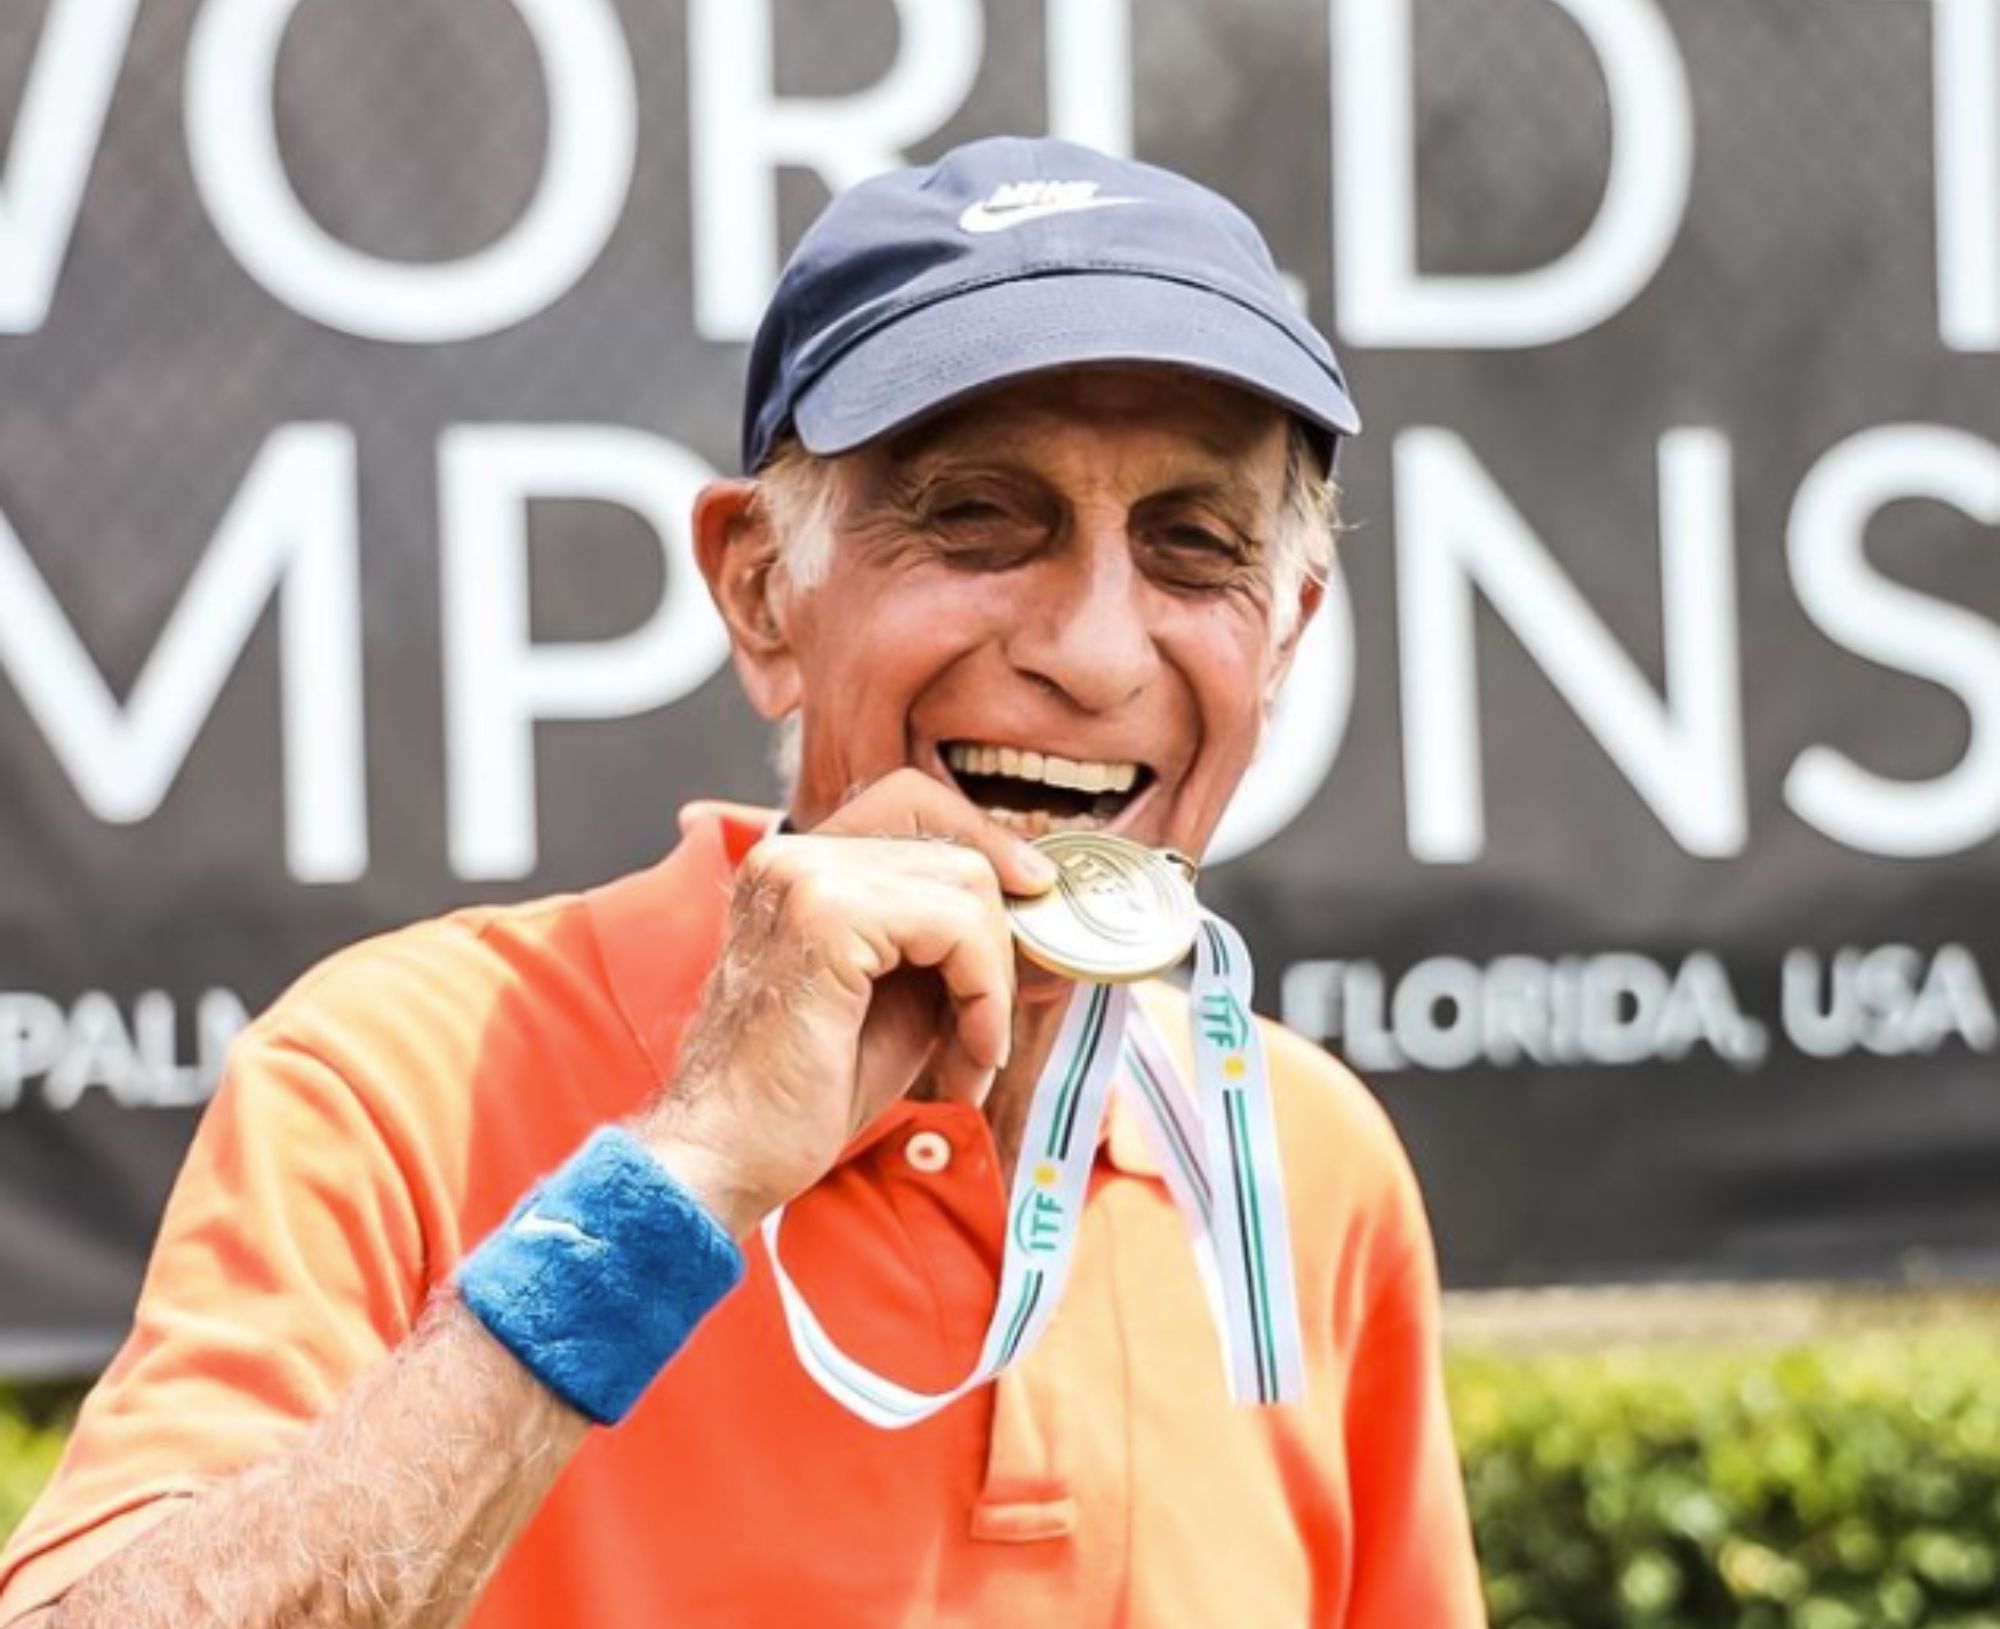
(1012,256)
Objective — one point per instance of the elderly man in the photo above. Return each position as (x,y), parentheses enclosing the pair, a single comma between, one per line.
(1036,509)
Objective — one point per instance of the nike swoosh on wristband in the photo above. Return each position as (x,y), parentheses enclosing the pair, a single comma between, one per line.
(536,1225)
(985,216)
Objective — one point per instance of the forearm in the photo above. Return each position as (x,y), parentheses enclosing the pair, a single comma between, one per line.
(392,1514)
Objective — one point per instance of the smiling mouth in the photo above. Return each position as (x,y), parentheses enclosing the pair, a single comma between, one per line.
(1039,792)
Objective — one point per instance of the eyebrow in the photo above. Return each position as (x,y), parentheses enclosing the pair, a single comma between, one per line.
(1234,496)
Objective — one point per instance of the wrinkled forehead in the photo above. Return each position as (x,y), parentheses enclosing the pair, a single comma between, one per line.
(1213,416)
(1171,418)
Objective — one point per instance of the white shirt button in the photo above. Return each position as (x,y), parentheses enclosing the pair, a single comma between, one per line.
(928,1152)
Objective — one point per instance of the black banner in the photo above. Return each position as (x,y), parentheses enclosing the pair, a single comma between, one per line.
(1629,823)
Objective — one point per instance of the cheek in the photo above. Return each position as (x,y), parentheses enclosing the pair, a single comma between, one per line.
(887,640)
(1231,671)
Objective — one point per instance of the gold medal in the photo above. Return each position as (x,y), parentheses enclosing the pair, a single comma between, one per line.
(1119,911)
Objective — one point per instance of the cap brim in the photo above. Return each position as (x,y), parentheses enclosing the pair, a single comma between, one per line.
(987,335)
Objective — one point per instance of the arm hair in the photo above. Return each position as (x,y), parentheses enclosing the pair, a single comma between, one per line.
(391,1514)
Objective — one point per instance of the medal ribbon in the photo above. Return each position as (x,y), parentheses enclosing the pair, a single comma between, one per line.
(1218,1151)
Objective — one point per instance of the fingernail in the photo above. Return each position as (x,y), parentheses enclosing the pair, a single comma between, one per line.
(1038,866)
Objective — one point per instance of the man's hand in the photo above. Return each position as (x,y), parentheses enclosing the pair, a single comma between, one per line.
(858,960)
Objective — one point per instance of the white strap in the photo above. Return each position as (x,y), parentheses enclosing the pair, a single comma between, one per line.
(1221,1167)
(1247,1216)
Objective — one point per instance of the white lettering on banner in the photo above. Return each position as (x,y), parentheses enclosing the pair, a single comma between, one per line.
(1446,1013)
(1882,620)
(289,532)
(1618,1009)
(1303,737)
(1089,53)
(56,135)
(497,681)
(91,1047)
(1890,1000)
(239,170)
(1682,753)
(1965,74)
(742,133)
(1384,299)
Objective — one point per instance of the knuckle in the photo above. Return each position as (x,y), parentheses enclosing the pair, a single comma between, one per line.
(823,902)
(961,911)
(769,863)
(812,896)
(956,860)
(982,877)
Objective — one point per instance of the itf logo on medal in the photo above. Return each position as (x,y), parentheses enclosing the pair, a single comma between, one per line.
(1119,911)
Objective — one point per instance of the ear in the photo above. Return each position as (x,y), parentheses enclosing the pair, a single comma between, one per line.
(1311,594)
(738,555)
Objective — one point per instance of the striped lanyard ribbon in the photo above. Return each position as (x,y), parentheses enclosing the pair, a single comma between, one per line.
(1218,1152)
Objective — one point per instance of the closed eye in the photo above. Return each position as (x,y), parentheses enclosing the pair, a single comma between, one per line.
(970,511)
(1196,537)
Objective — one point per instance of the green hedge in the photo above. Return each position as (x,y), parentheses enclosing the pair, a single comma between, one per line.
(1854,1484)
(33,1424)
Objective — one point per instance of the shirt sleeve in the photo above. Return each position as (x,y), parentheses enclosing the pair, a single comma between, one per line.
(291,1258)
(1413,1554)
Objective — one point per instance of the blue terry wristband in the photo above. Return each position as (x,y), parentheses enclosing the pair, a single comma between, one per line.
(600,1274)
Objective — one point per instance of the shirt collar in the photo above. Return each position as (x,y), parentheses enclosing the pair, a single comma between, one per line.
(659,932)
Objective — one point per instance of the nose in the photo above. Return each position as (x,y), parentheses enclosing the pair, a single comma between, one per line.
(1084,629)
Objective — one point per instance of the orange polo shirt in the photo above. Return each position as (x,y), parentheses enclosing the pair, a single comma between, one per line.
(387,1112)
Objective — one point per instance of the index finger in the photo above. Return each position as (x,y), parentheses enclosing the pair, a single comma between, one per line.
(909,803)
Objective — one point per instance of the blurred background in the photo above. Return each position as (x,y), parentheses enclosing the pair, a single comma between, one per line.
(1629,822)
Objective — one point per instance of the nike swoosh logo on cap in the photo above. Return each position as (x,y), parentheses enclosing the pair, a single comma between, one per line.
(986,216)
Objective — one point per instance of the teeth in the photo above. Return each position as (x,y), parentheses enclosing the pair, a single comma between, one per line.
(1046,767)
(1039,823)
(1030,823)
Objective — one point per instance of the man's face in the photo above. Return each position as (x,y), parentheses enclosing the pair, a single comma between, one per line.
(1056,598)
